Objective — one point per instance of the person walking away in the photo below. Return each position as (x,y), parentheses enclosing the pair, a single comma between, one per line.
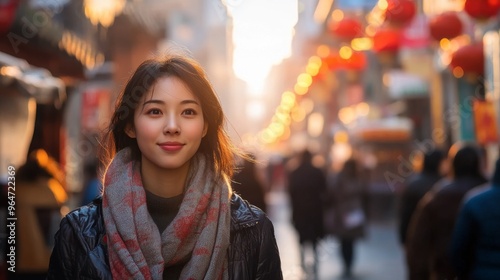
(417,186)
(475,249)
(348,197)
(247,183)
(167,210)
(431,227)
(306,186)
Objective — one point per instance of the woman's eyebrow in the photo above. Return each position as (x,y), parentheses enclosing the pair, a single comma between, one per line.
(155,101)
(190,101)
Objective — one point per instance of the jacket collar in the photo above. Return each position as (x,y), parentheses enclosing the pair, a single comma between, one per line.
(242,214)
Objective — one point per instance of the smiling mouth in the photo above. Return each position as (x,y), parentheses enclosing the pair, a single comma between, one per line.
(171,147)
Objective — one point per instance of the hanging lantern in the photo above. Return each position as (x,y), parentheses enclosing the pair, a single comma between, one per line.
(7,14)
(469,59)
(386,43)
(386,40)
(357,61)
(481,9)
(400,11)
(347,28)
(446,25)
(346,59)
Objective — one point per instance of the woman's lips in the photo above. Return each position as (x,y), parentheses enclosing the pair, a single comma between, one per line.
(171,147)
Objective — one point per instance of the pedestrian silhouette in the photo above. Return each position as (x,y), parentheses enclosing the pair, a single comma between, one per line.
(475,246)
(431,227)
(347,203)
(417,186)
(306,185)
(247,183)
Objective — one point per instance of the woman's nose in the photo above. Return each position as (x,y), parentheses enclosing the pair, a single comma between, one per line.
(172,126)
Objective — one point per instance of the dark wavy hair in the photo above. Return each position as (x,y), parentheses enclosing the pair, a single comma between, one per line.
(216,145)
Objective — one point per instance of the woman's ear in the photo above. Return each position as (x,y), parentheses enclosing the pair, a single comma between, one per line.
(205,129)
(130,131)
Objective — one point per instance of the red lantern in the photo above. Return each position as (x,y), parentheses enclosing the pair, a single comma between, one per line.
(400,11)
(7,14)
(446,25)
(386,40)
(386,43)
(347,28)
(357,61)
(470,58)
(481,9)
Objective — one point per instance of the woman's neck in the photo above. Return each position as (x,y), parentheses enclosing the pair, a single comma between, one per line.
(164,182)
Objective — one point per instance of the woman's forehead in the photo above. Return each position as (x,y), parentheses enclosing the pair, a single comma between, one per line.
(170,87)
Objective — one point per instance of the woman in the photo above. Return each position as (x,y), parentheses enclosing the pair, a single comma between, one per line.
(348,198)
(167,209)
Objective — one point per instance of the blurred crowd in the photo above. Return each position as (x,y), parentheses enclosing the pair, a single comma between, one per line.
(448,213)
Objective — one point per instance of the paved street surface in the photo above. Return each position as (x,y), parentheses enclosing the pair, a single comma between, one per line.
(377,257)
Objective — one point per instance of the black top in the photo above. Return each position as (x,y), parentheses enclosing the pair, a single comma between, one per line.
(163,210)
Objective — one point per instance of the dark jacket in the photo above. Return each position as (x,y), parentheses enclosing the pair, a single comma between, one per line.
(416,188)
(431,228)
(476,246)
(307,185)
(346,209)
(80,252)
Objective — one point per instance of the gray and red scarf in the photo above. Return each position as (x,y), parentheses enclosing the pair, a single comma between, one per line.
(198,235)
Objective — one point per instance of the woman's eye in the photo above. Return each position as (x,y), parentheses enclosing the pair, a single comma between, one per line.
(189,112)
(154,112)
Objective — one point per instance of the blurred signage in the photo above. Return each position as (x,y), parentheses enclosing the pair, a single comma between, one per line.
(433,7)
(384,130)
(95,106)
(7,14)
(417,62)
(402,84)
(416,34)
(355,4)
(465,92)
(491,42)
(485,122)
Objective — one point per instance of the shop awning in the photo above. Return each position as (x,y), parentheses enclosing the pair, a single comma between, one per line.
(33,81)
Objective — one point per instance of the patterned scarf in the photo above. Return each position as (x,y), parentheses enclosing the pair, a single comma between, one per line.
(198,235)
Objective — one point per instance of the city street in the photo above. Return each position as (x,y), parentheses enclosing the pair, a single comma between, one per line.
(365,105)
(378,256)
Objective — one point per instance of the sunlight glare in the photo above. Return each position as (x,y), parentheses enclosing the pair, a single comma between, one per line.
(260,40)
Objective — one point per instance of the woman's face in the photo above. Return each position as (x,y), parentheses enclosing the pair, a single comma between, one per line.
(168,125)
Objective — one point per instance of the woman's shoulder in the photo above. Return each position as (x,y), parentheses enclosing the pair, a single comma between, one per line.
(87,216)
(244,214)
